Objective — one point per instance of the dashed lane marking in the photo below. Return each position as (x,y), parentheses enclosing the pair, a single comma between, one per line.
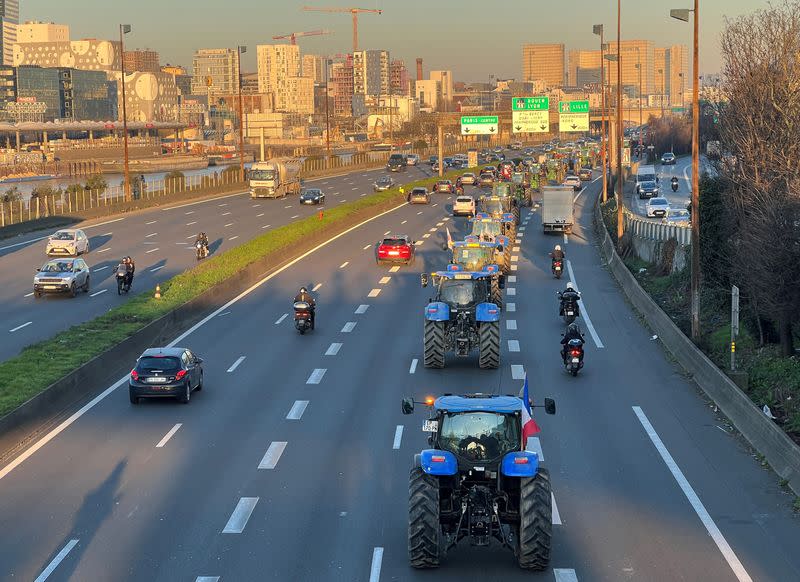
(398,436)
(517,371)
(96,293)
(317,286)
(333,349)
(241,514)
(281,318)
(511,291)
(236,364)
(297,410)
(413,368)
(348,327)
(511,324)
(56,561)
(151,251)
(316,376)
(375,568)
(374,293)
(394,269)
(343,265)
(511,307)
(361,309)
(556,519)
(513,345)
(584,311)
(273,455)
(565,575)
(511,279)
(384,280)
(168,436)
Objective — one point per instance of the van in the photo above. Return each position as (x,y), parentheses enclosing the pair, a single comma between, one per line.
(646,174)
(396,162)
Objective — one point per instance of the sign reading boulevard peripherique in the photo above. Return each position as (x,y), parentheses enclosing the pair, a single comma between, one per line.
(479,125)
(530,114)
(573,116)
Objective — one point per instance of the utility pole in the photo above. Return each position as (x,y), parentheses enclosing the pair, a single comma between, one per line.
(598,30)
(620,133)
(327,113)
(240,50)
(123,30)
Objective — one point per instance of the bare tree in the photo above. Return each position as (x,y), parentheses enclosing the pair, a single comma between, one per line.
(761,130)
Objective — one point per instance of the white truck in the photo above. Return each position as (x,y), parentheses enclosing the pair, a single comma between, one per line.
(275,178)
(557,206)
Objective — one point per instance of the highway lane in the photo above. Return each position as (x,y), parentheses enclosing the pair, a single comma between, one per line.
(160,241)
(331,503)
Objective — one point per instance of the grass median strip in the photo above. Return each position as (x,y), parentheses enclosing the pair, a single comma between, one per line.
(41,364)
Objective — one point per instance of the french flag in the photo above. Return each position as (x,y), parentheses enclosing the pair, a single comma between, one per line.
(529,426)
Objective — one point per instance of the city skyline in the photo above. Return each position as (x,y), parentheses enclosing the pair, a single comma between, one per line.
(469,60)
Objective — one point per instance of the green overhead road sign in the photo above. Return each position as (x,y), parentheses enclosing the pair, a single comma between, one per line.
(479,125)
(530,103)
(573,116)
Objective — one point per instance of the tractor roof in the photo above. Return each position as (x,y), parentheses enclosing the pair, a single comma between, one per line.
(479,402)
(462,274)
(473,245)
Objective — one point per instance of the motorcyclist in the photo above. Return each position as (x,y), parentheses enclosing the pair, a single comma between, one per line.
(306,297)
(557,254)
(567,294)
(130,269)
(573,331)
(674,183)
(202,238)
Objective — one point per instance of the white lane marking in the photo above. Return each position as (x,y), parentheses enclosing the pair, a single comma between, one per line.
(36,446)
(151,251)
(375,569)
(361,309)
(235,365)
(513,345)
(420,243)
(154,269)
(105,250)
(190,236)
(281,318)
(273,455)
(565,575)
(168,436)
(413,367)
(289,206)
(96,293)
(233,237)
(295,216)
(384,280)
(394,269)
(584,312)
(317,286)
(374,293)
(426,235)
(366,247)
(522,228)
(225,214)
(229,224)
(404,222)
(511,290)
(534,445)
(151,222)
(256,206)
(190,212)
(348,327)
(511,324)
(437,204)
(556,520)
(28,294)
(266,226)
(511,307)
(420,212)
(517,371)
(297,410)
(149,243)
(446,218)
(316,376)
(520,235)
(440,223)
(56,561)
(566,239)
(516,249)
(333,349)
(711,527)
(343,265)
(514,267)
(99,269)
(578,195)
(151,234)
(432,229)
(354,189)
(511,279)
(223,204)
(242,512)
(514,258)
(260,215)
(207,579)
(224,314)
(387,232)
(398,436)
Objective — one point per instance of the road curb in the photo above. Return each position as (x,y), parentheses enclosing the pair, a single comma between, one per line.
(782,454)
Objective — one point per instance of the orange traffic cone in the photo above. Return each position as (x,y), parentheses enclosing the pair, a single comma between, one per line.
(320,214)
(158,292)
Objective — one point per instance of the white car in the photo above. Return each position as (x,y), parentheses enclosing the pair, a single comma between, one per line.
(464,206)
(469,178)
(574,181)
(68,242)
(412,159)
(657,207)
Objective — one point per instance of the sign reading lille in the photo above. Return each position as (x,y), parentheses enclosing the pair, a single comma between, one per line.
(479,124)
(573,116)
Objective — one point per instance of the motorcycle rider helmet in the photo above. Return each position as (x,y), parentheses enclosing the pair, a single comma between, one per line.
(303,290)
(573,329)
(570,287)
(558,247)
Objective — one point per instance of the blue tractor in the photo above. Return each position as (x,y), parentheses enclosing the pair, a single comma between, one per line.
(477,482)
(488,229)
(481,256)
(461,318)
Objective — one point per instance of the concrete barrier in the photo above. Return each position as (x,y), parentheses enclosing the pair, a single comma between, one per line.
(765,436)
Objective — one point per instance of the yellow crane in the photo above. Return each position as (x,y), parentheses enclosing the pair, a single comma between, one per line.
(354,11)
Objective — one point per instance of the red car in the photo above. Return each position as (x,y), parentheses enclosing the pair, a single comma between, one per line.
(444,186)
(395,249)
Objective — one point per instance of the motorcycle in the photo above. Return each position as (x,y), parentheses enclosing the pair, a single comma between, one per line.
(573,356)
(123,283)
(557,267)
(303,317)
(202,250)
(674,185)
(569,308)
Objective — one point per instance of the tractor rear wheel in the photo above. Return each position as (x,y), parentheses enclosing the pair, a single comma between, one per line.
(497,293)
(535,523)
(423,520)
(489,335)
(433,344)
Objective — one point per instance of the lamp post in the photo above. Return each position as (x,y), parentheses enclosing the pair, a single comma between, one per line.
(683,14)
(661,97)
(123,30)
(598,30)
(619,136)
(241,50)
(328,63)
(682,103)
(639,67)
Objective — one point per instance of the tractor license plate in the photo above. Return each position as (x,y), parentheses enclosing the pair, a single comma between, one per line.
(575,360)
(463,276)
(570,313)
(430,426)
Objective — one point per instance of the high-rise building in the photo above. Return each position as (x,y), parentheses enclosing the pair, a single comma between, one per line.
(8,85)
(35,31)
(9,17)
(214,71)
(249,83)
(314,67)
(342,85)
(182,80)
(445,79)
(398,77)
(142,60)
(545,62)
(660,72)
(583,67)
(371,72)
(295,95)
(68,93)
(635,52)
(428,94)
(279,74)
(678,80)
(88,54)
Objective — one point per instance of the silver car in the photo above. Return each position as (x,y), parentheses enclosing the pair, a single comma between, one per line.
(61,276)
(69,242)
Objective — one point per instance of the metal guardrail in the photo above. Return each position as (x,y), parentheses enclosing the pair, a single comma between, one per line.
(650,229)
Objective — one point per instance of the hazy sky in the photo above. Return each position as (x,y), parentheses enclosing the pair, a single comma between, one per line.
(473,38)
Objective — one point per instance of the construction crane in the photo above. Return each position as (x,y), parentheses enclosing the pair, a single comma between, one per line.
(293,36)
(354,11)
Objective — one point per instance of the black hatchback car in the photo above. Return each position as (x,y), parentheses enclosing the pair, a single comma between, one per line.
(166,373)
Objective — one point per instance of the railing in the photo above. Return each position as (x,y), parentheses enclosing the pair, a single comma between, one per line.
(650,229)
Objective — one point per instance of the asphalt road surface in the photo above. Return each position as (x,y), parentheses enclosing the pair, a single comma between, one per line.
(160,242)
(292,463)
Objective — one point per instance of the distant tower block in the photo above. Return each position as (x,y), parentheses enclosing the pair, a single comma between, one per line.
(419,69)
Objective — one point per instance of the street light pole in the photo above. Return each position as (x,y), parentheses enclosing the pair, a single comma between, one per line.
(639,66)
(327,113)
(123,30)
(598,30)
(683,14)
(241,50)
(661,97)
(620,133)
